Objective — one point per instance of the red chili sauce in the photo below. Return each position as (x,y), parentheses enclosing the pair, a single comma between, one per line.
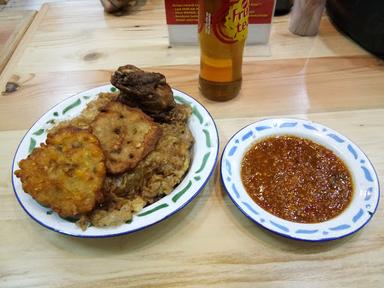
(296,179)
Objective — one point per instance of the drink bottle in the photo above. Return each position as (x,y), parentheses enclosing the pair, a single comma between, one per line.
(223,29)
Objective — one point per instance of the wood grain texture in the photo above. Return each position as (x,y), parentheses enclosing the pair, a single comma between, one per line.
(66,40)
(13,25)
(270,87)
(208,244)
(73,46)
(26,4)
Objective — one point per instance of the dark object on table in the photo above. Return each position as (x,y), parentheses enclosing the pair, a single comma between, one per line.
(116,6)
(283,7)
(363,21)
(147,90)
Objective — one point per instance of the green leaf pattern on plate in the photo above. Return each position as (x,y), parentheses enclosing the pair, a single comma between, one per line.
(71,106)
(38,132)
(207,138)
(176,197)
(32,145)
(197,114)
(153,210)
(181,100)
(52,121)
(70,219)
(204,162)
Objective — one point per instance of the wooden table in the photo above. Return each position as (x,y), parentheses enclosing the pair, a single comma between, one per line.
(74,46)
(13,25)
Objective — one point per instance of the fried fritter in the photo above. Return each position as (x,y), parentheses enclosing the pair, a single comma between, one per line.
(67,173)
(126,135)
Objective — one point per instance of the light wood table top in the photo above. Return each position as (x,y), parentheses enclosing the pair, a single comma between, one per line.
(13,25)
(73,46)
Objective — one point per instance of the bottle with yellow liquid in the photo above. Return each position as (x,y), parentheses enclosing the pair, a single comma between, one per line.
(223,29)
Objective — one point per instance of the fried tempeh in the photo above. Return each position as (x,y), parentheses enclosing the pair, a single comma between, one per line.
(126,135)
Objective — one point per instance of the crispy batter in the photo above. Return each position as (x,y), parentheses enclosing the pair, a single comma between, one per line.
(88,114)
(126,135)
(155,176)
(160,171)
(159,150)
(65,174)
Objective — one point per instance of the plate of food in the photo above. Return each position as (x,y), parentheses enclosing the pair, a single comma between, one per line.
(300,179)
(115,159)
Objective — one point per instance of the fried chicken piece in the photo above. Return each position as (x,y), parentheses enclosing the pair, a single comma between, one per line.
(147,90)
(126,135)
(65,174)
(179,114)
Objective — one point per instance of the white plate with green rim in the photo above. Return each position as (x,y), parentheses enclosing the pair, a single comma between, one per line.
(204,156)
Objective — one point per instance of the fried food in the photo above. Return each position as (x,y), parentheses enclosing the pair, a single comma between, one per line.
(155,176)
(126,135)
(124,151)
(114,216)
(67,173)
(147,90)
(88,114)
(160,171)
(179,114)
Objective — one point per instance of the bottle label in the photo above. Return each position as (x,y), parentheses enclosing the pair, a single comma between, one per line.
(236,21)
(229,23)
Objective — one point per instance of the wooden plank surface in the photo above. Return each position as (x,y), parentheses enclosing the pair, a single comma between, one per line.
(26,4)
(13,25)
(64,39)
(270,87)
(73,46)
(208,244)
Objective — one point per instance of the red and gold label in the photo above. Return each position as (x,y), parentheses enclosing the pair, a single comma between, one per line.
(236,21)
(229,23)
(186,11)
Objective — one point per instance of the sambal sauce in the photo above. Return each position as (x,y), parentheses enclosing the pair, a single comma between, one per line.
(296,179)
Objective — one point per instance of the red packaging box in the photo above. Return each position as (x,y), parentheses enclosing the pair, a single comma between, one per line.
(182,17)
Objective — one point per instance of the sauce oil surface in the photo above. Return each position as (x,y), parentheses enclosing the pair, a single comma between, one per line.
(296,179)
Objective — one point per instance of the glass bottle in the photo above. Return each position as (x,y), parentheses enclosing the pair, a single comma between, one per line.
(223,29)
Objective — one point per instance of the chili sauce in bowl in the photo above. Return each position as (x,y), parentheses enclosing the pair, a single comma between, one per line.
(296,179)
(300,179)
